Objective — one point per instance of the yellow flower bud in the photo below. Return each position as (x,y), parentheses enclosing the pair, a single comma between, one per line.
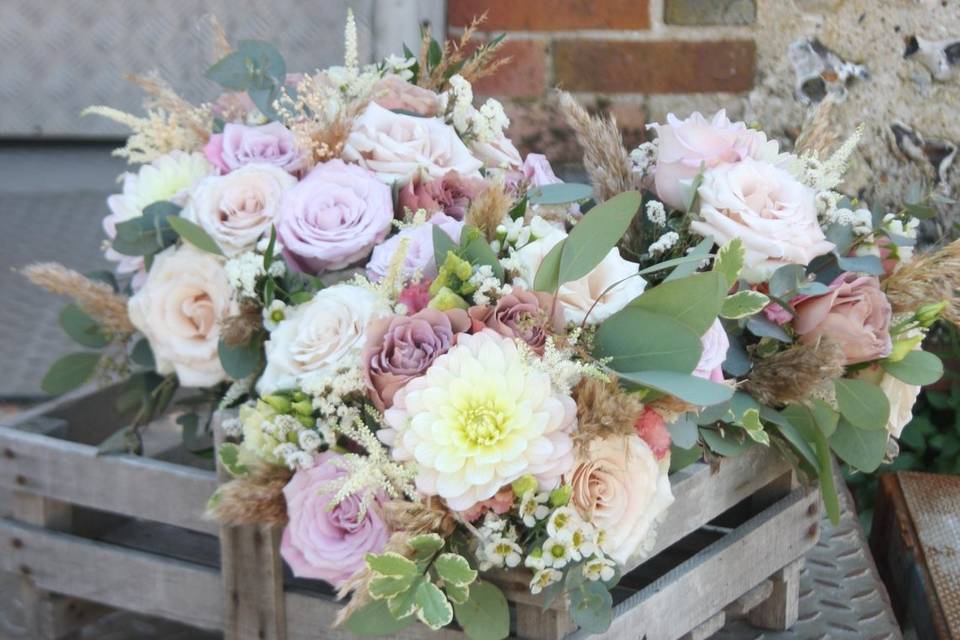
(280,403)
(560,496)
(929,313)
(446,299)
(523,484)
(904,346)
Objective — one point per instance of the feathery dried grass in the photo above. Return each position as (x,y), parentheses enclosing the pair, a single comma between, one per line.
(488,209)
(221,45)
(96,299)
(796,373)
(932,277)
(818,136)
(604,409)
(604,156)
(239,329)
(406,520)
(479,64)
(671,408)
(253,499)
(161,96)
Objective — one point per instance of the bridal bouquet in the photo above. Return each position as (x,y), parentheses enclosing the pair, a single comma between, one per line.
(435,359)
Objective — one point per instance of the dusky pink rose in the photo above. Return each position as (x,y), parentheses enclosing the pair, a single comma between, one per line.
(398,147)
(240,145)
(415,296)
(715,344)
(498,504)
(684,146)
(652,428)
(451,194)
(855,314)
(395,93)
(773,214)
(333,217)
(401,348)
(328,544)
(420,253)
(526,315)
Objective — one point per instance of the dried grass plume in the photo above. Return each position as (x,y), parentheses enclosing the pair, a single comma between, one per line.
(254,499)
(932,277)
(818,136)
(96,299)
(604,409)
(488,209)
(795,373)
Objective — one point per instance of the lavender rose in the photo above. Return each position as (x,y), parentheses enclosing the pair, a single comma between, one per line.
(420,254)
(396,94)
(855,313)
(401,348)
(328,544)
(333,217)
(450,194)
(527,315)
(240,145)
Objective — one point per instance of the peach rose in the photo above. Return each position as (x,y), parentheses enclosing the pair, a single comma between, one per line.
(855,313)
(620,487)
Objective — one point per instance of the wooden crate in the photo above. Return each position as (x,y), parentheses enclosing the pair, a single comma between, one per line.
(128,532)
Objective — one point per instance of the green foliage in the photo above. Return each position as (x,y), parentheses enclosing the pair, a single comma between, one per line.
(729,261)
(148,234)
(391,564)
(917,367)
(743,304)
(562,193)
(229,455)
(242,360)
(812,431)
(485,615)
(591,606)
(142,354)
(692,302)
(454,569)
(637,339)
(863,404)
(255,67)
(433,608)
(82,328)
(69,372)
(688,388)
(195,235)
(860,448)
(548,275)
(374,619)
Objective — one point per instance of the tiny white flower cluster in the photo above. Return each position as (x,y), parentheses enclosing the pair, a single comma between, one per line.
(559,364)
(826,175)
(644,157)
(274,315)
(296,452)
(860,220)
(232,427)
(489,288)
(329,396)
(482,125)
(246,269)
(398,66)
(570,539)
(666,242)
(498,546)
(516,234)
(656,213)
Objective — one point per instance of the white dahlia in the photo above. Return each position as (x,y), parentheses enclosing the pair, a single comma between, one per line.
(479,419)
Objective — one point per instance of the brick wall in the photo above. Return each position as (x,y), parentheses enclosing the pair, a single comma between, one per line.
(635,58)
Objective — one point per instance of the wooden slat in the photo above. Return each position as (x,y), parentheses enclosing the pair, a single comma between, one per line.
(122,578)
(129,485)
(696,590)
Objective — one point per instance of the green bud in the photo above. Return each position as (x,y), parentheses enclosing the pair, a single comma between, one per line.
(303,407)
(904,346)
(560,496)
(929,313)
(278,402)
(298,396)
(523,484)
(446,299)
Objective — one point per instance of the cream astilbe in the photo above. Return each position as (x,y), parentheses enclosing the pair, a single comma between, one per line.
(97,299)
(604,156)
(826,175)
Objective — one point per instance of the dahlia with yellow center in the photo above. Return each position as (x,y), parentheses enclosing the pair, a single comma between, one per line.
(479,419)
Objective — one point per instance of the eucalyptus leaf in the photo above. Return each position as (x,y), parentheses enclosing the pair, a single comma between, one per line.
(562,193)
(142,354)
(681,458)
(69,372)
(596,234)
(442,244)
(917,367)
(252,65)
(786,279)
(146,234)
(475,249)
(82,328)
(548,274)
(763,328)
(700,253)
(861,264)
(860,448)
(242,360)
(194,234)
(639,340)
(805,422)
(730,444)
(485,615)
(692,302)
(684,386)
(683,432)
(124,440)
(863,404)
(591,607)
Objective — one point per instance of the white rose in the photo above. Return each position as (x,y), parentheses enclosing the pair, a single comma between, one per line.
(620,487)
(396,146)
(238,208)
(179,309)
(577,297)
(768,209)
(498,153)
(319,338)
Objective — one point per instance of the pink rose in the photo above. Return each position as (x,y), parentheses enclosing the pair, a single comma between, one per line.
(527,315)
(538,172)
(498,153)
(415,296)
(240,145)
(773,214)
(715,344)
(855,313)
(333,217)
(686,145)
(651,427)
(420,254)
(328,544)
(498,504)
(396,94)
(401,348)
(450,194)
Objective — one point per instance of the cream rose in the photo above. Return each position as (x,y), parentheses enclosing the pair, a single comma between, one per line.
(576,298)
(319,338)
(237,209)
(768,209)
(498,153)
(620,487)
(396,146)
(902,397)
(179,309)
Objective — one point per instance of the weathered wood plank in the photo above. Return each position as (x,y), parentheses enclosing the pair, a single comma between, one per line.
(706,583)
(781,609)
(121,578)
(125,484)
(535,623)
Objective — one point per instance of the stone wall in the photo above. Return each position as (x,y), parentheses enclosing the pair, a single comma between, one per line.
(888,64)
